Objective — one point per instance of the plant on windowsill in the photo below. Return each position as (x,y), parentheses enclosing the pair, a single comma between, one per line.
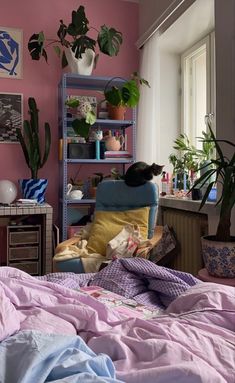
(73,39)
(34,188)
(219,250)
(123,96)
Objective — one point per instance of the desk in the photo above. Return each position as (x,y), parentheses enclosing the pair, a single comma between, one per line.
(206,277)
(41,215)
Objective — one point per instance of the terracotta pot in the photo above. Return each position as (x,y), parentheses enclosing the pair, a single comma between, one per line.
(116,112)
(219,257)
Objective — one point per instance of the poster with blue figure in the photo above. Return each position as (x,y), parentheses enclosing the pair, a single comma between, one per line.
(10,53)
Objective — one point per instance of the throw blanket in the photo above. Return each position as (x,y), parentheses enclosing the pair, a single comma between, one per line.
(144,281)
(193,342)
(134,278)
(52,358)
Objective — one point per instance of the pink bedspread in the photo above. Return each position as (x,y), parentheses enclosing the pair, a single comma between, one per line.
(193,342)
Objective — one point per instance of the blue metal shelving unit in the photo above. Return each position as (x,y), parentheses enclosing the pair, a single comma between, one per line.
(73,81)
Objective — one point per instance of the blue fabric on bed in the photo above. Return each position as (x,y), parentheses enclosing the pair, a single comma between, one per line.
(33,357)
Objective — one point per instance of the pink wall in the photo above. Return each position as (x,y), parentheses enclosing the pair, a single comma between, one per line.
(40,80)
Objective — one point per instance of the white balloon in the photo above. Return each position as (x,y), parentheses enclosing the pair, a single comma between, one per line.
(8,191)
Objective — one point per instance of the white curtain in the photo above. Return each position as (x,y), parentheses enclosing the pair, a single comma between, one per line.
(148,116)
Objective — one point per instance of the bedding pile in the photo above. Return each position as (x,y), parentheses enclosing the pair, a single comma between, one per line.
(133,278)
(193,341)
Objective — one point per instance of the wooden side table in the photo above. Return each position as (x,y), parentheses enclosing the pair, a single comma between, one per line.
(204,276)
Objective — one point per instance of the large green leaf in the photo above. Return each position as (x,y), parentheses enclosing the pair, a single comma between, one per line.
(36,46)
(130,94)
(79,25)
(81,44)
(114,96)
(109,40)
(81,128)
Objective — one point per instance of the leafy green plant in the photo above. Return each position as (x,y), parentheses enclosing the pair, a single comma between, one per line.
(81,126)
(30,141)
(127,94)
(75,36)
(223,172)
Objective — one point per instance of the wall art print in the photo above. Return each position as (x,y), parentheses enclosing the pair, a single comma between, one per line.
(11,52)
(11,116)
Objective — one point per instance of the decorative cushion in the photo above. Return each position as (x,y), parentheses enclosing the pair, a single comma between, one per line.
(116,195)
(107,224)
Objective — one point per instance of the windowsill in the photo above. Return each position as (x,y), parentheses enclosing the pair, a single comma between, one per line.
(188,205)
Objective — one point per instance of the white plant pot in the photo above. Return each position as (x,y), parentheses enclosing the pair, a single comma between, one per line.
(84,65)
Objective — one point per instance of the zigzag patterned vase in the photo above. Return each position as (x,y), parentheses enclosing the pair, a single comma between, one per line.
(34,189)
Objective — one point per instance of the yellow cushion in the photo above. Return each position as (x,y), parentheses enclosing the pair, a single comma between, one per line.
(107,224)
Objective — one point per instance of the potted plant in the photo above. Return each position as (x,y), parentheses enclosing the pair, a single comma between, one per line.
(86,116)
(219,250)
(185,164)
(124,96)
(73,38)
(34,188)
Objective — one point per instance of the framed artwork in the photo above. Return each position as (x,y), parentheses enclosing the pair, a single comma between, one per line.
(11,52)
(11,116)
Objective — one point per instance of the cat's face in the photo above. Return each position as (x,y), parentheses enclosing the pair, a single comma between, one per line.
(157,169)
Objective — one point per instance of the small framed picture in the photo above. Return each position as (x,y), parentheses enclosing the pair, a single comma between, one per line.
(11,116)
(11,53)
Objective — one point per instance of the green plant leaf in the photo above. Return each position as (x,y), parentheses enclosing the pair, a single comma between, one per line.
(90,118)
(57,50)
(109,40)
(79,25)
(36,46)
(113,96)
(130,93)
(72,102)
(81,128)
(81,44)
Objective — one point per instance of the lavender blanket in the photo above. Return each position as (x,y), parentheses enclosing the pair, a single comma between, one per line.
(135,278)
(192,342)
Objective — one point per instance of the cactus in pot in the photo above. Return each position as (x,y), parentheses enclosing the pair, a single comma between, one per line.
(30,141)
(32,150)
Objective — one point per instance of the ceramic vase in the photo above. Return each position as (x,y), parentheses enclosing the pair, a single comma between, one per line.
(34,189)
(84,65)
(218,257)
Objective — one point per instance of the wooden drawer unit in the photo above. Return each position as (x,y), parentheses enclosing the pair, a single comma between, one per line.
(23,253)
(24,237)
(24,248)
(32,268)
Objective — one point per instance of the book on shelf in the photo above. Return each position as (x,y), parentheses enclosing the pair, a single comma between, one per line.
(117,154)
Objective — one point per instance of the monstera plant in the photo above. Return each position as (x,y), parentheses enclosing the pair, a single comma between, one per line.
(75,36)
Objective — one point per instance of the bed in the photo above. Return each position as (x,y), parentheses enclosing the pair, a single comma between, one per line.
(167,326)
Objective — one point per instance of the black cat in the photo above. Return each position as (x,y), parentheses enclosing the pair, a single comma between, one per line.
(140,172)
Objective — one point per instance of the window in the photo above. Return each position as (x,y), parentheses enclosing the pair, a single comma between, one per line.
(197,70)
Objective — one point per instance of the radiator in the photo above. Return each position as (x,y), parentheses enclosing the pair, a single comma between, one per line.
(188,228)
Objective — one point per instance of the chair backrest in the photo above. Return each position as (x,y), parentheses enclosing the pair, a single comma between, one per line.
(115,195)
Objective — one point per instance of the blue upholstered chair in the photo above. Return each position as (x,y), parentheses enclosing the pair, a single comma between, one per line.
(115,195)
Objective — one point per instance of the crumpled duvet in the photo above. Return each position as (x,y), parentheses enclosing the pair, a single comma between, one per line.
(193,342)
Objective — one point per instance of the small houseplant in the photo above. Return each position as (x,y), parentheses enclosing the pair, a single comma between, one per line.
(125,95)
(75,36)
(219,249)
(87,117)
(34,188)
